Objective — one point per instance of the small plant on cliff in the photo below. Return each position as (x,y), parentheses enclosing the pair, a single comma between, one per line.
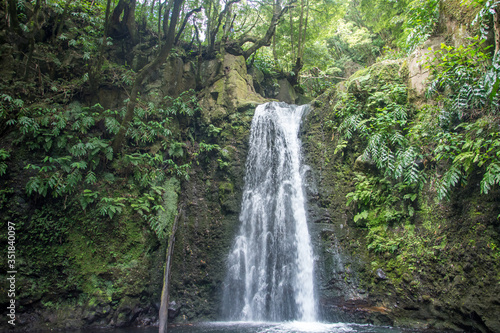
(421,20)
(467,80)
(4,155)
(476,147)
(380,203)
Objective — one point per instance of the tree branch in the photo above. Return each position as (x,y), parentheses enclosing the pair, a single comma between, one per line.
(219,21)
(266,40)
(196,10)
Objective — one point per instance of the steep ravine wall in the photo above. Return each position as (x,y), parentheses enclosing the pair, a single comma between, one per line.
(455,289)
(211,198)
(455,282)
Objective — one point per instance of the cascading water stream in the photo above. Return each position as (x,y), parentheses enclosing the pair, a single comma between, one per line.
(270,266)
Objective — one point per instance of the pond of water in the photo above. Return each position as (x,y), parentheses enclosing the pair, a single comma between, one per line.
(256,327)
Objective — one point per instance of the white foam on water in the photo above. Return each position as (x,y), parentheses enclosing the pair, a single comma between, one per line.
(309,327)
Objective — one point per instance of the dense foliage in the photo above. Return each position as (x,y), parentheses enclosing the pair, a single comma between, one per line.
(67,155)
(78,148)
(447,145)
(74,157)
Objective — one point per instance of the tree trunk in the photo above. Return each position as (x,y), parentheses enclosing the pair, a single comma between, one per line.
(152,8)
(163,314)
(95,70)
(166,15)
(58,27)
(127,24)
(160,8)
(208,33)
(145,72)
(301,24)
(301,55)
(275,55)
(35,26)
(14,22)
(291,35)
(129,18)
(496,27)
(183,26)
(214,21)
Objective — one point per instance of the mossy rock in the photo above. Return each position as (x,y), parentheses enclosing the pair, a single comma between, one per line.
(232,92)
(369,80)
(227,197)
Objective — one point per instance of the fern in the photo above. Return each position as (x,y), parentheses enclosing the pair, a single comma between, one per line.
(483,16)
(450,179)
(471,83)
(176,149)
(90,178)
(4,155)
(490,178)
(112,125)
(422,18)
(111,206)
(387,144)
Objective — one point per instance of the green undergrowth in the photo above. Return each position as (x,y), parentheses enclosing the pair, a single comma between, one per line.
(91,221)
(72,157)
(78,256)
(417,161)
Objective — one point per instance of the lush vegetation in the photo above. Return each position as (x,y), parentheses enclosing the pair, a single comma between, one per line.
(127,161)
(446,145)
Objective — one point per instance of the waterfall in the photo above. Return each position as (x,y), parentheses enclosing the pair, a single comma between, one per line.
(270,266)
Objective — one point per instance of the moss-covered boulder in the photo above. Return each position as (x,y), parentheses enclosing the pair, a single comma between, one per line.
(370,80)
(231,90)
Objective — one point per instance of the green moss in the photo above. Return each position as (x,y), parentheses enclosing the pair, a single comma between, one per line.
(167,215)
(226,187)
(459,10)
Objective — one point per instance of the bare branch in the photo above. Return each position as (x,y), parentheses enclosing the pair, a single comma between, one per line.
(245,38)
(251,28)
(266,40)
(196,10)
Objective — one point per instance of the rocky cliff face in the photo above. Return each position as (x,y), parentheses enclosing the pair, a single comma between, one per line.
(211,199)
(444,276)
(444,273)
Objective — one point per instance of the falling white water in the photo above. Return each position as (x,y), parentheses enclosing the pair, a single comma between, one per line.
(270,266)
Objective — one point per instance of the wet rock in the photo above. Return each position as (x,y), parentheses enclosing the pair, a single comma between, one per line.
(381,274)
(364,164)
(287,94)
(418,72)
(174,309)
